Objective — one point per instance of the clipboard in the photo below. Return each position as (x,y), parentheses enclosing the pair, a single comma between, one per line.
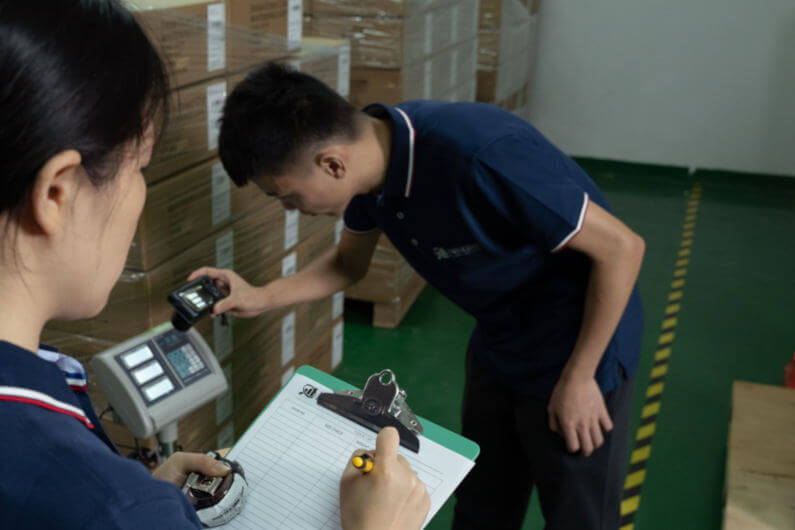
(311,446)
(445,437)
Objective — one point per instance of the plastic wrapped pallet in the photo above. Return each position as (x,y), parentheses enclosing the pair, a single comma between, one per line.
(405,50)
(328,60)
(201,47)
(194,215)
(393,8)
(202,40)
(186,208)
(191,134)
(254,246)
(191,36)
(391,284)
(506,54)
(392,41)
(448,75)
(263,19)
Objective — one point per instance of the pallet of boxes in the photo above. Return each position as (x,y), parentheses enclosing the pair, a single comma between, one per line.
(400,50)
(508,31)
(194,216)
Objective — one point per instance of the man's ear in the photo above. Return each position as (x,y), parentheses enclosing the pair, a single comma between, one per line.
(333,161)
(55,190)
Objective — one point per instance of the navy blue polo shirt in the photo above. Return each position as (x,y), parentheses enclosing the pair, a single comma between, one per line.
(483,206)
(59,469)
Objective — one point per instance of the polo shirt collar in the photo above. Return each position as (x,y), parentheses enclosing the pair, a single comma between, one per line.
(42,380)
(400,170)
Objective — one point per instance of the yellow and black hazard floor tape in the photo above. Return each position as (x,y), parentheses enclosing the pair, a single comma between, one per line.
(651,408)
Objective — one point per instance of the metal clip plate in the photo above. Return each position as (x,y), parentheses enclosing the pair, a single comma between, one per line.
(381,404)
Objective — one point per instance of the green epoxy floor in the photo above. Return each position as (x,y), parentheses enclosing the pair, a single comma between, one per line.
(736,323)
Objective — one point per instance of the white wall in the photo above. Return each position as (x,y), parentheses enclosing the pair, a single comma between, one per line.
(705,83)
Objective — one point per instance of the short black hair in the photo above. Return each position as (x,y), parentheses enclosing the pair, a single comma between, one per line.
(76,74)
(273,115)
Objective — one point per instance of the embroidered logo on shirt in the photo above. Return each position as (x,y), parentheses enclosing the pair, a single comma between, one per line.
(457,252)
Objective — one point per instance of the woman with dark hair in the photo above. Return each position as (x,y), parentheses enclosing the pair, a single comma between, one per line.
(80,90)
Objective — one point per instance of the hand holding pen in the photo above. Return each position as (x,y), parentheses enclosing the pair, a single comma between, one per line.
(382,491)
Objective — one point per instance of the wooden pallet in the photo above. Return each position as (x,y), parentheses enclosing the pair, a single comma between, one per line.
(390,314)
(391,285)
(760,468)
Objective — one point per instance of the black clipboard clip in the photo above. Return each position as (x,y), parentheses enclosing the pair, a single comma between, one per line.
(381,404)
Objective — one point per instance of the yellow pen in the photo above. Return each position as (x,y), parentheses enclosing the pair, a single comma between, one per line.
(363,463)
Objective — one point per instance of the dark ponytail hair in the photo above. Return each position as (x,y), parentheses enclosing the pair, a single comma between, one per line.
(74,74)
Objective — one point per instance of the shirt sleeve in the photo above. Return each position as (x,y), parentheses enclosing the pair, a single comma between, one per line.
(529,189)
(357,215)
(167,513)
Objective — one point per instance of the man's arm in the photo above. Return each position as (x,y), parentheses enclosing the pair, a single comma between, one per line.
(340,267)
(577,408)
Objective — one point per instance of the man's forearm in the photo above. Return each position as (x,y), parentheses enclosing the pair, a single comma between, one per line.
(321,278)
(609,288)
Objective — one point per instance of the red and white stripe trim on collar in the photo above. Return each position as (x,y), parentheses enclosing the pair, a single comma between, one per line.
(40,399)
(412,139)
(73,371)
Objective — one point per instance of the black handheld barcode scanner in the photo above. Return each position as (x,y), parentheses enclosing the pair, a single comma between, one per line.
(193,301)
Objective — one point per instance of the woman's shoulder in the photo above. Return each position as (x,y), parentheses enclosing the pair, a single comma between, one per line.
(66,477)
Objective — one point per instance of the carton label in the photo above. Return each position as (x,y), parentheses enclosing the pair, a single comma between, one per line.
(225,251)
(295,23)
(337,305)
(344,71)
(216,96)
(427,85)
(454,24)
(221,193)
(428,33)
(288,338)
(336,346)
(290,229)
(289,264)
(226,438)
(454,70)
(287,375)
(216,37)
(223,405)
(222,339)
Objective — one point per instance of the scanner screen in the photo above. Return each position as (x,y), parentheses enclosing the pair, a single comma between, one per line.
(196,298)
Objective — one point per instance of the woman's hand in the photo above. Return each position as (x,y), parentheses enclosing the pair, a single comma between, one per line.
(179,465)
(390,497)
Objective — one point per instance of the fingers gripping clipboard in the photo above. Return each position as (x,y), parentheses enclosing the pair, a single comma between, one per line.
(295,451)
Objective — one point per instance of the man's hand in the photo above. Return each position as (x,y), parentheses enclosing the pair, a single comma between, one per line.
(577,412)
(243,300)
(390,497)
(179,465)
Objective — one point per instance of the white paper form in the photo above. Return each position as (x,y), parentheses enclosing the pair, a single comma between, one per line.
(294,454)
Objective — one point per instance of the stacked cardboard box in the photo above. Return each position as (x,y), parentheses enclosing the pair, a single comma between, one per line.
(201,50)
(507,32)
(400,50)
(391,285)
(328,60)
(403,50)
(195,216)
